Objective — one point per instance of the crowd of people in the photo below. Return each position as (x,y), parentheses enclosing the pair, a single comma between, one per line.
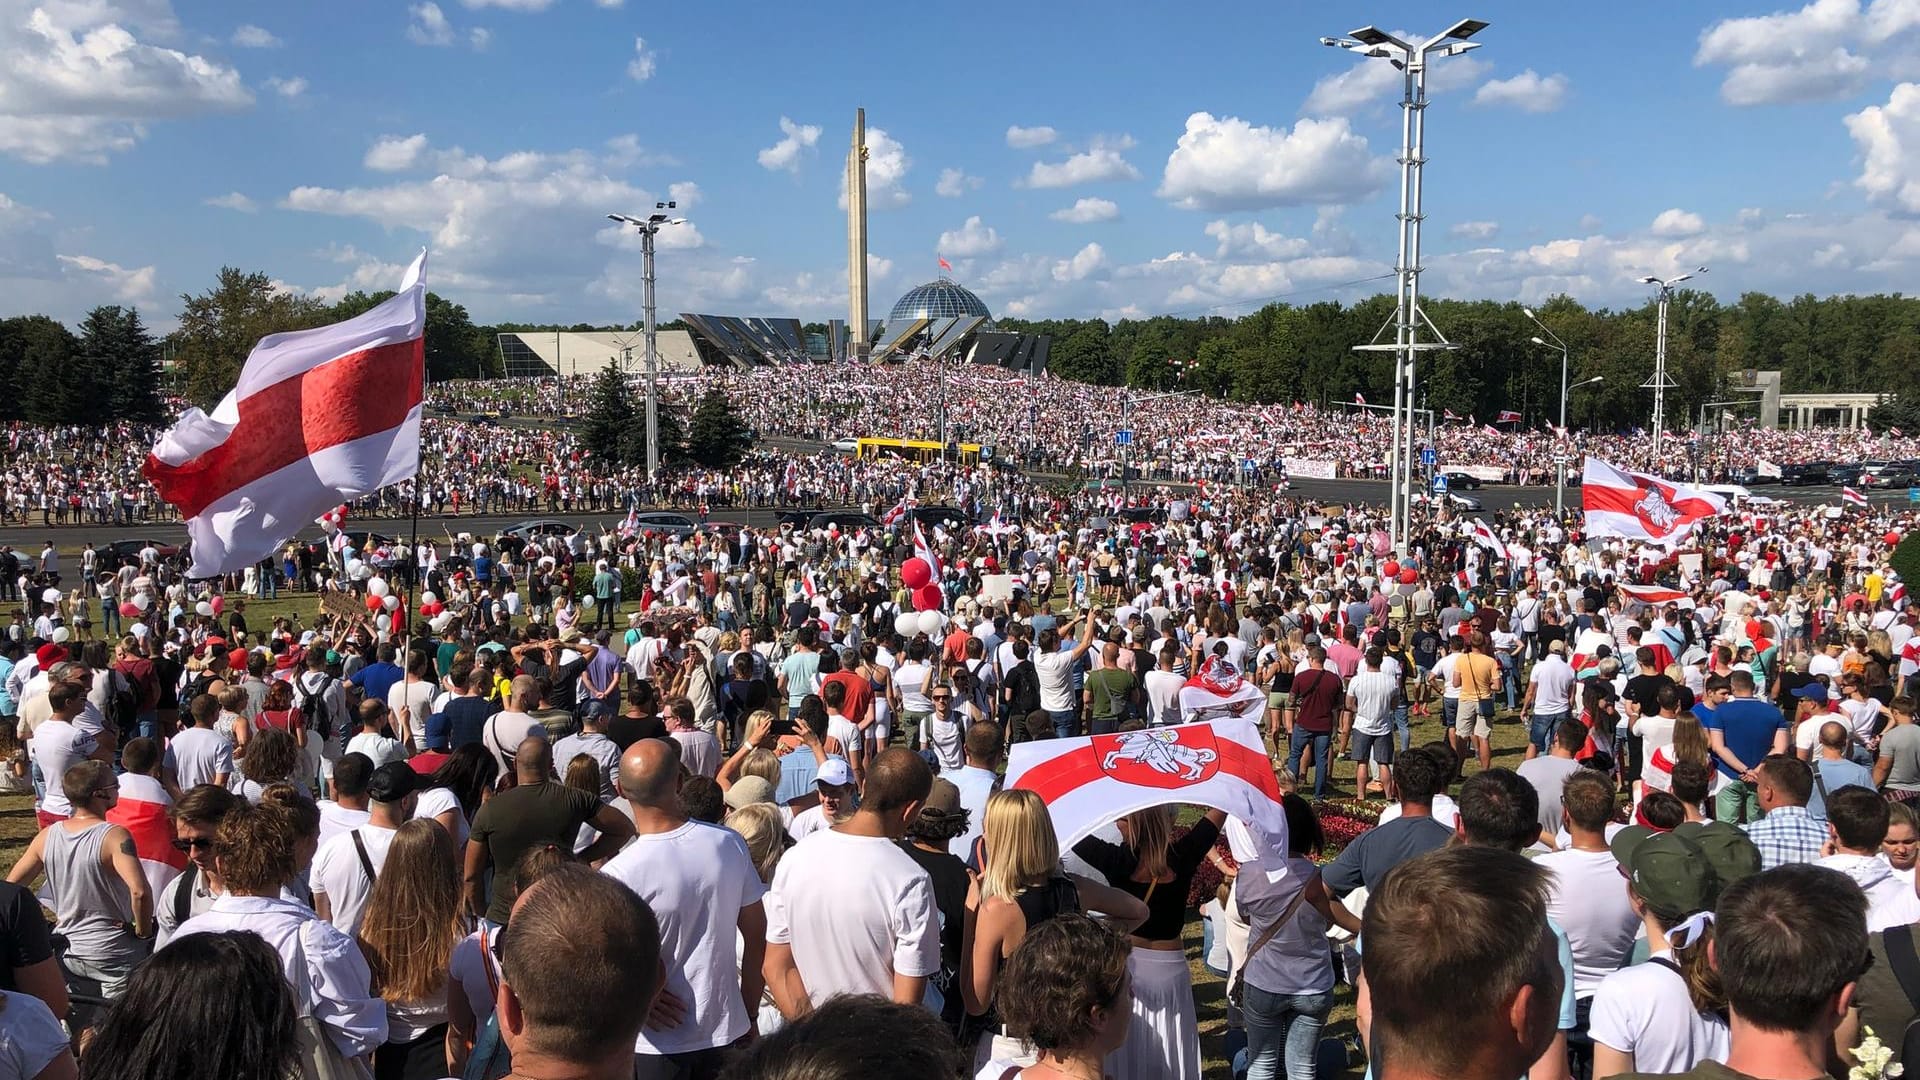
(731,803)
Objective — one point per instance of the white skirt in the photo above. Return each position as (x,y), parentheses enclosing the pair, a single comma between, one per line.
(1163,1042)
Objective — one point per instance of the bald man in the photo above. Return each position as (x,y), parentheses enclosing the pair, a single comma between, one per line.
(703,886)
(537,810)
(1834,768)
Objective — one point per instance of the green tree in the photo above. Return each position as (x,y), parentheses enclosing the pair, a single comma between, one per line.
(219,327)
(607,428)
(455,348)
(1898,411)
(716,435)
(35,353)
(116,366)
(1905,559)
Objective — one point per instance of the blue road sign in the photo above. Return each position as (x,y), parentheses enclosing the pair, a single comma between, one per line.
(1440,483)
(1123,437)
(1427,456)
(1913,495)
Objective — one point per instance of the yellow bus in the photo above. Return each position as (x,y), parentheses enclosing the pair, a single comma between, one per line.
(917,449)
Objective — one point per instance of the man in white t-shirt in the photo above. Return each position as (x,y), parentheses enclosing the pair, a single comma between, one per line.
(348,807)
(58,745)
(1054,666)
(379,747)
(976,781)
(1371,697)
(345,867)
(1549,697)
(200,754)
(1586,897)
(411,702)
(837,789)
(849,911)
(703,887)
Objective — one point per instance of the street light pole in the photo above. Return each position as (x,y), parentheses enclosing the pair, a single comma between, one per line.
(1412,60)
(1660,382)
(649,227)
(1127,401)
(1559,458)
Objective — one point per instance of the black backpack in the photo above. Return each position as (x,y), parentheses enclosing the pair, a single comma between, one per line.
(123,705)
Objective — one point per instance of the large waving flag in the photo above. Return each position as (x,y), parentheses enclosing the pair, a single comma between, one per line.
(1217,690)
(142,811)
(1484,535)
(1089,781)
(318,417)
(1852,498)
(1656,594)
(1640,507)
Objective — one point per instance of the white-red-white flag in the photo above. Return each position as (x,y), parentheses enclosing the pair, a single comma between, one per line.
(1852,497)
(924,550)
(1359,398)
(1089,781)
(899,511)
(317,416)
(142,811)
(1483,534)
(1507,416)
(1640,507)
(1218,690)
(1656,594)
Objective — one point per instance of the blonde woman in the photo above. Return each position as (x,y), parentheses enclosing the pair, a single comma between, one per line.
(1164,1040)
(412,923)
(1021,887)
(760,826)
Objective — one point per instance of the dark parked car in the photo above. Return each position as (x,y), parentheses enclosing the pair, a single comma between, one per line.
(120,551)
(847,520)
(1457,480)
(945,517)
(1804,473)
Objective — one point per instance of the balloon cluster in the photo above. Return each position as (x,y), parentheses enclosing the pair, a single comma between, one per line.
(919,622)
(917,575)
(430,604)
(332,520)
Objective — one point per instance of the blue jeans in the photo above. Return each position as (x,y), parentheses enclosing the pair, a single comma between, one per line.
(1403,727)
(1284,1028)
(1066,723)
(1540,729)
(1322,745)
(1509,677)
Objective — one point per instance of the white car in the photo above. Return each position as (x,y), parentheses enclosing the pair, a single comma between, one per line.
(846,446)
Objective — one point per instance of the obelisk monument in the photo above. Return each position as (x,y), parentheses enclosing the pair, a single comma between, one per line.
(858,347)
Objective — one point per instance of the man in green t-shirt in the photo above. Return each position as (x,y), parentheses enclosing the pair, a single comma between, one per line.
(1107,690)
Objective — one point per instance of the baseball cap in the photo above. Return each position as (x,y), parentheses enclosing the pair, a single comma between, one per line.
(1668,872)
(439,732)
(1729,851)
(943,802)
(1814,691)
(749,790)
(1556,645)
(834,772)
(392,782)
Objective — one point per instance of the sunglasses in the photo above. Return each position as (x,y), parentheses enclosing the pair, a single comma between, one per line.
(197,842)
(943,697)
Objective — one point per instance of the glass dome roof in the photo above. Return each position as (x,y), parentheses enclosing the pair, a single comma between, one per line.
(941,299)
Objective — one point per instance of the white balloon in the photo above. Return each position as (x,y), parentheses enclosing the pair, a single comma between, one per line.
(143,600)
(364,573)
(586,601)
(908,624)
(931,622)
(203,608)
(390,602)
(378,586)
(61,634)
(383,622)
(428,597)
(354,566)
(328,525)
(50,596)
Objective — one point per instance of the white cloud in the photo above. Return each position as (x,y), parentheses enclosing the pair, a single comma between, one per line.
(395,153)
(77,85)
(1226,163)
(132,286)
(511,5)
(970,240)
(795,141)
(233,200)
(641,67)
(479,37)
(887,165)
(1475,230)
(1528,91)
(954,183)
(1812,54)
(248,36)
(1888,137)
(1098,163)
(686,193)
(609,4)
(1087,211)
(1677,222)
(1084,262)
(1250,239)
(287,88)
(878,268)
(1373,81)
(685,236)
(1026,138)
(429,25)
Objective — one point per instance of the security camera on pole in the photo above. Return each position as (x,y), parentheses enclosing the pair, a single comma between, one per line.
(1411,59)
(649,226)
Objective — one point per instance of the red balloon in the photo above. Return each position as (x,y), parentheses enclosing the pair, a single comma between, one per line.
(130,610)
(928,598)
(1407,575)
(373,602)
(1891,538)
(1390,568)
(915,573)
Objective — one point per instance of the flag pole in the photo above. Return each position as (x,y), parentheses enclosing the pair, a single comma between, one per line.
(416,580)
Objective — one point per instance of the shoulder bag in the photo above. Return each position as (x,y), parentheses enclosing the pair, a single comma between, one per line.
(1237,989)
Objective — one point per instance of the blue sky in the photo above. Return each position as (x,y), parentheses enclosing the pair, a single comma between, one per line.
(1068,159)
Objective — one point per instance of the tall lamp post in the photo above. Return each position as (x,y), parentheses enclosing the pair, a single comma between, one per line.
(1664,290)
(1411,58)
(649,226)
(1127,402)
(1559,460)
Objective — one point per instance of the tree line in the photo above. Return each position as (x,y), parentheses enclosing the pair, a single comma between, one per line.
(109,370)
(1285,353)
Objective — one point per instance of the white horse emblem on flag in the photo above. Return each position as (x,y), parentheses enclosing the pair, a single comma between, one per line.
(1654,509)
(1162,751)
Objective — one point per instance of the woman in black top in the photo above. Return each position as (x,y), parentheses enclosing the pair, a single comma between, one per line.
(1164,1040)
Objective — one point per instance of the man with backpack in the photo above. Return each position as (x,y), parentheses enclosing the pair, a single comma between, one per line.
(323,702)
